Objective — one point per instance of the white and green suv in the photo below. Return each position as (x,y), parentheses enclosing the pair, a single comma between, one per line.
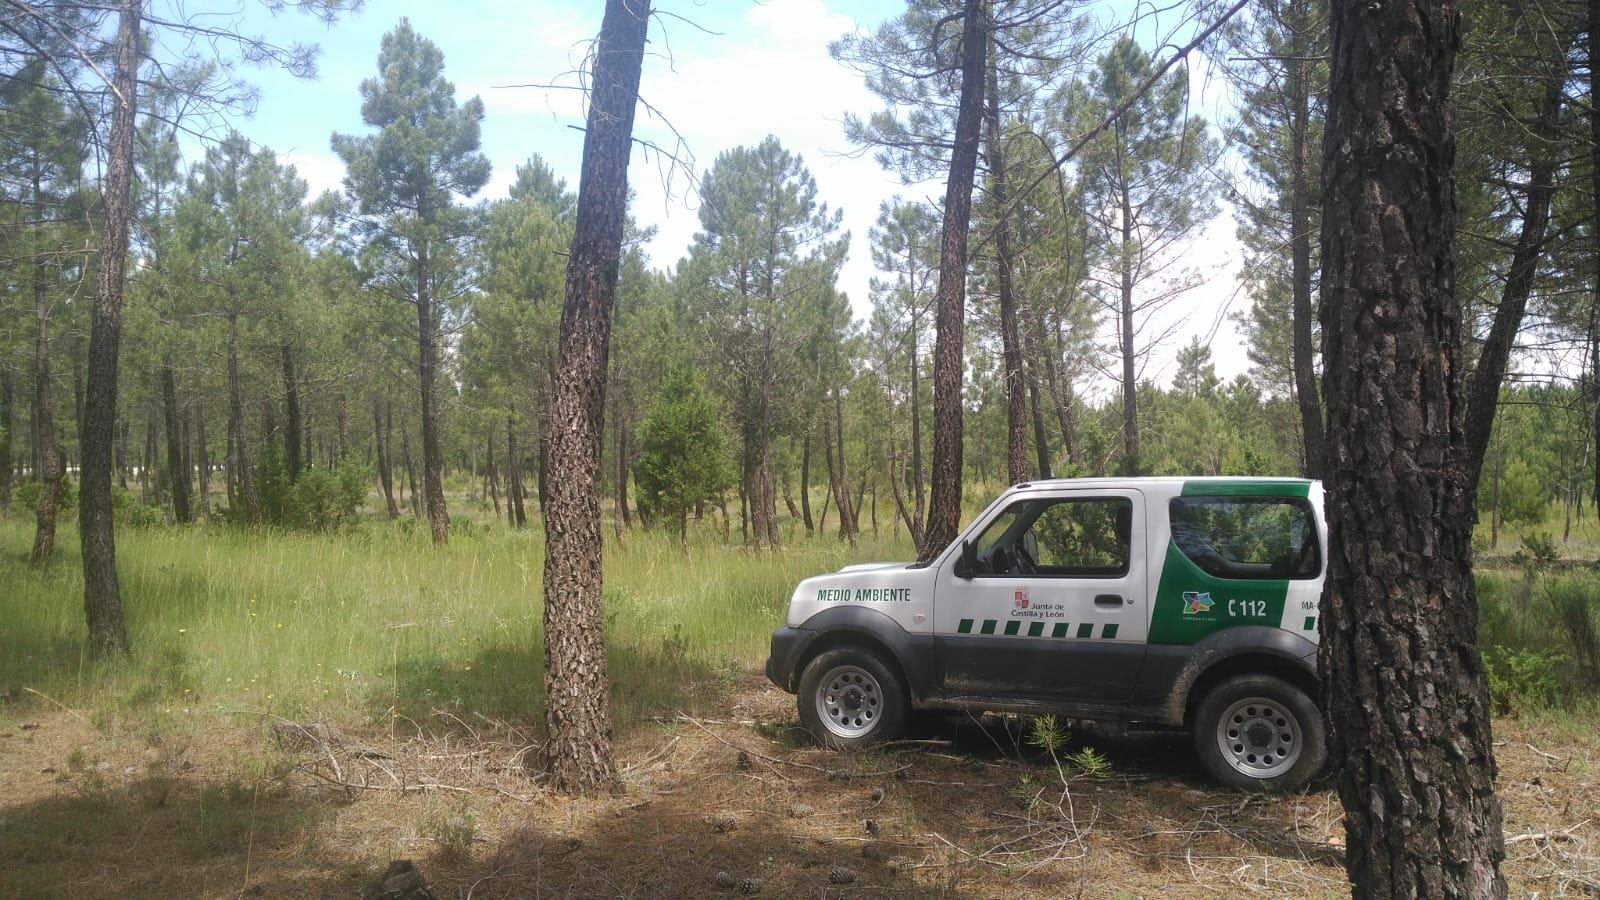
(1160,601)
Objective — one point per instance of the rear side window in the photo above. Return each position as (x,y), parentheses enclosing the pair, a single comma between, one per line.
(1248,537)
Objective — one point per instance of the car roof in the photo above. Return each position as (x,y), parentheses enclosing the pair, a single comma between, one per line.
(1161,479)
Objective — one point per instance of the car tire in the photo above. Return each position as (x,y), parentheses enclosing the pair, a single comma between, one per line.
(851,697)
(1260,733)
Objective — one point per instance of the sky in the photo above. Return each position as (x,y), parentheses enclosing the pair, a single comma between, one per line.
(727,73)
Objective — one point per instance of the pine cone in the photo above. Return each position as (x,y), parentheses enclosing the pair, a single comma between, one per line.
(749,885)
(724,824)
(841,875)
(800,811)
(743,763)
(724,880)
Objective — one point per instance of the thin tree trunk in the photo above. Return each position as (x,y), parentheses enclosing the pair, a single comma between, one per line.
(1303,351)
(203,461)
(411,469)
(1130,386)
(1594,193)
(1483,397)
(490,475)
(1010,338)
(380,450)
(427,376)
(243,467)
(918,484)
(514,507)
(177,474)
(1041,439)
(1403,683)
(293,433)
(944,510)
(578,752)
(805,481)
(50,469)
(102,595)
(8,428)
(849,522)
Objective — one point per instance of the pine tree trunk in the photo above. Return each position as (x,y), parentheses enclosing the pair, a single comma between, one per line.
(427,376)
(176,473)
(203,460)
(244,475)
(8,427)
(578,753)
(1010,338)
(805,481)
(380,452)
(102,595)
(491,477)
(1594,192)
(1483,395)
(516,494)
(411,469)
(1403,683)
(1130,385)
(49,453)
(1303,351)
(293,434)
(944,509)
(849,524)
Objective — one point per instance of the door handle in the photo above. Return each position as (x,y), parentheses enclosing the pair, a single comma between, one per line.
(1108,600)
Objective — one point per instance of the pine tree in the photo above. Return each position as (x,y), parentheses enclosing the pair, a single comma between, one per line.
(682,461)
(405,179)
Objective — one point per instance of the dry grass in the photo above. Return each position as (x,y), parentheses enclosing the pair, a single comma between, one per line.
(271,808)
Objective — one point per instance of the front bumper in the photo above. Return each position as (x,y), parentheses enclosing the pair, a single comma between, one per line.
(787,642)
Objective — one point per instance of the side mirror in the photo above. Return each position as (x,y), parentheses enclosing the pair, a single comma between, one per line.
(968,563)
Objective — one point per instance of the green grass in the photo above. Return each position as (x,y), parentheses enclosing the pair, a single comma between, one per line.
(376,622)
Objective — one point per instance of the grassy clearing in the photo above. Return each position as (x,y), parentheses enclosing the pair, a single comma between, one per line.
(378,622)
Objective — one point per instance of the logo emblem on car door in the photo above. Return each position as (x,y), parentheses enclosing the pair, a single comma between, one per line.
(1022,598)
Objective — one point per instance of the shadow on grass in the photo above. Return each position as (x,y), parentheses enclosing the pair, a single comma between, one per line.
(152,836)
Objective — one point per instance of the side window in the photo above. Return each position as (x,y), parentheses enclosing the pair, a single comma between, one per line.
(1061,538)
(1247,537)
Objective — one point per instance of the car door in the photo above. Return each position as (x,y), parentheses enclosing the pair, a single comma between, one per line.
(1054,605)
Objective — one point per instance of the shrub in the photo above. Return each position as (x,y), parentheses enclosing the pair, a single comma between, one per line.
(322,500)
(1576,602)
(27,494)
(1522,497)
(1521,680)
(129,510)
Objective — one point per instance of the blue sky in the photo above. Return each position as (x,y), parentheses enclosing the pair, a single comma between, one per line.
(742,70)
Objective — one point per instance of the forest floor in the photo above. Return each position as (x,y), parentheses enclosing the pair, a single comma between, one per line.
(301,710)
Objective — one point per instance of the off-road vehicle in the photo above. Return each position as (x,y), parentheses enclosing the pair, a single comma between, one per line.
(1161,602)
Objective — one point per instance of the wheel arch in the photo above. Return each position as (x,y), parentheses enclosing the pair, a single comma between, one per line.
(1243,651)
(868,630)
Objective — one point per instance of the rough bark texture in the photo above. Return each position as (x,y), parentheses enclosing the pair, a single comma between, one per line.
(427,378)
(177,470)
(102,596)
(1303,350)
(805,482)
(1403,682)
(944,506)
(1594,184)
(1010,335)
(1483,397)
(578,752)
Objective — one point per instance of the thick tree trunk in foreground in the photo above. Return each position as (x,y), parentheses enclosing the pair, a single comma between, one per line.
(944,506)
(177,471)
(578,754)
(1010,336)
(102,596)
(1403,682)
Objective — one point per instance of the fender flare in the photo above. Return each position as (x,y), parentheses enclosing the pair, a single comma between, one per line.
(916,663)
(1231,643)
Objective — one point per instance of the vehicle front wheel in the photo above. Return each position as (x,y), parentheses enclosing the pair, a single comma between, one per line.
(851,697)
(1260,733)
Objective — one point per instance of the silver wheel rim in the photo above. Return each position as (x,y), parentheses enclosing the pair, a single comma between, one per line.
(849,701)
(1260,738)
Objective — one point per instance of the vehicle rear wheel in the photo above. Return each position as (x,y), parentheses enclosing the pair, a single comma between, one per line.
(1260,733)
(850,697)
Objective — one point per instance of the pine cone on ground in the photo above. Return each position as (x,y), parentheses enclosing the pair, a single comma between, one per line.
(841,875)
(724,880)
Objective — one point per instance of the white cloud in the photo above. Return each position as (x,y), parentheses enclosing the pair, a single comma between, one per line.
(321,171)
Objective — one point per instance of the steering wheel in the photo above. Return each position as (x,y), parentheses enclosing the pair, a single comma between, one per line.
(1025,563)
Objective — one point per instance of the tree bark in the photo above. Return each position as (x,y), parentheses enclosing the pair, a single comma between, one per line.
(1041,439)
(293,434)
(411,469)
(380,451)
(8,428)
(1594,186)
(203,461)
(944,509)
(49,471)
(177,472)
(1010,337)
(578,753)
(1303,350)
(849,522)
(805,481)
(102,596)
(427,378)
(244,474)
(491,476)
(515,493)
(1130,385)
(1403,683)
(1483,396)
